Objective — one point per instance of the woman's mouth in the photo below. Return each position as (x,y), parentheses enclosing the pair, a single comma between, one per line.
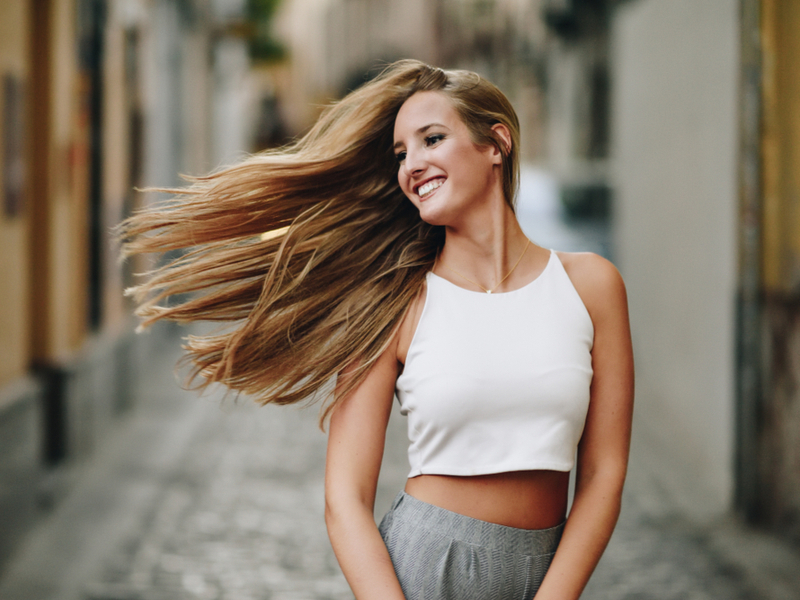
(427,188)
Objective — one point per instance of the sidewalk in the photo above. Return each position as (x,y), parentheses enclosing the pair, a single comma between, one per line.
(655,554)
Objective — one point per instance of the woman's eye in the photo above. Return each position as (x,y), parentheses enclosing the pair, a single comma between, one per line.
(400,157)
(432,139)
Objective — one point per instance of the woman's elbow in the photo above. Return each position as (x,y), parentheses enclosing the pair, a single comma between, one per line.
(341,507)
(333,509)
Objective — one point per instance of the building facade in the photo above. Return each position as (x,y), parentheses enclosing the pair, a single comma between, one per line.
(704,163)
(99,97)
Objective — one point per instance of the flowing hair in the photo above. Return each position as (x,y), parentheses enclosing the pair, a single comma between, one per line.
(310,253)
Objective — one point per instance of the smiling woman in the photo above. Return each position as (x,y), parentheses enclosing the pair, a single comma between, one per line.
(442,170)
(393,260)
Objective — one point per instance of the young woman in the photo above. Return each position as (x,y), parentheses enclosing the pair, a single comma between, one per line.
(383,248)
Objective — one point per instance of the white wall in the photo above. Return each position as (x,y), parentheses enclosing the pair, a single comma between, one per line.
(674,69)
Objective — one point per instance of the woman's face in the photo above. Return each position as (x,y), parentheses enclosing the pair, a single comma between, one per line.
(441,170)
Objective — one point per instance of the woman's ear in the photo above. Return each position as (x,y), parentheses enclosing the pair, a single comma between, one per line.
(503,136)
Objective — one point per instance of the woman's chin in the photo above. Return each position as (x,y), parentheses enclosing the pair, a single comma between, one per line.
(433,217)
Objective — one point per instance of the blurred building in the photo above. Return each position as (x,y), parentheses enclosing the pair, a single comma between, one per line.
(768,462)
(98,97)
(336,45)
(688,112)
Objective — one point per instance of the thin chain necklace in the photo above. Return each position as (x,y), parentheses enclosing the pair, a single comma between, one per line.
(499,283)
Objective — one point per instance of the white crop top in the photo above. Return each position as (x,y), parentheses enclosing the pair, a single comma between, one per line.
(498,382)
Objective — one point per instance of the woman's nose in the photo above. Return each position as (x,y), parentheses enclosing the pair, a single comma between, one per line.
(414,163)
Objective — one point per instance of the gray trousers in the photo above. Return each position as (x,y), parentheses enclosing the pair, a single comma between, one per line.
(441,555)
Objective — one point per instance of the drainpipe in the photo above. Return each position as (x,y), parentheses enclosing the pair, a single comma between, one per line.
(749,300)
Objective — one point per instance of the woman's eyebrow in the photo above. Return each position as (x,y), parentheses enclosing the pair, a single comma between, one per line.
(421,130)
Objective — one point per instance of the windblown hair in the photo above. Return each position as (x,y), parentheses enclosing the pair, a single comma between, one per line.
(343,251)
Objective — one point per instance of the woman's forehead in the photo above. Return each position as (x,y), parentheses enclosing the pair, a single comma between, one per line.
(422,109)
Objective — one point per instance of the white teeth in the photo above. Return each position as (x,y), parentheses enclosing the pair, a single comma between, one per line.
(426,189)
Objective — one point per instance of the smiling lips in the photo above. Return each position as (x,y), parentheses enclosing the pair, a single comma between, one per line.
(428,187)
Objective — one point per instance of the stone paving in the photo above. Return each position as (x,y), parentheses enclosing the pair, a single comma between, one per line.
(242,518)
(665,559)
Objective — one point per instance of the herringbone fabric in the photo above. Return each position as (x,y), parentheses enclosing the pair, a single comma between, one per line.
(441,555)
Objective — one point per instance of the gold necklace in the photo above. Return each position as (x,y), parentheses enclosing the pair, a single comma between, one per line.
(489,291)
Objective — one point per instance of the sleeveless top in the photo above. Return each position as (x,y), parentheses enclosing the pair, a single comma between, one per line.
(498,382)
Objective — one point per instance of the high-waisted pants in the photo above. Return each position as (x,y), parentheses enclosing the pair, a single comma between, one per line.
(442,555)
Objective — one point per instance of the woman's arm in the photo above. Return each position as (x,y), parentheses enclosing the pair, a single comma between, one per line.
(355,451)
(604,446)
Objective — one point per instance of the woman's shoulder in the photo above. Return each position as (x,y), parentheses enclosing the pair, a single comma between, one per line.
(597,281)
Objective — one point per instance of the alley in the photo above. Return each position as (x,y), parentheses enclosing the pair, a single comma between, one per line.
(671,132)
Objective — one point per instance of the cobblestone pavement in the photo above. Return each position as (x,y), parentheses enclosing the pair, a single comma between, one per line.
(241,519)
(668,559)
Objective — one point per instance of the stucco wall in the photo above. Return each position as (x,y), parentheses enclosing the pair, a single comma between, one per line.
(674,69)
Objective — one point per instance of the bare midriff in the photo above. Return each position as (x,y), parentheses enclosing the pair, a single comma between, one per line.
(521,499)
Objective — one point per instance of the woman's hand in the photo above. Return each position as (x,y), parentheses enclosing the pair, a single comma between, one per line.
(355,451)
(603,450)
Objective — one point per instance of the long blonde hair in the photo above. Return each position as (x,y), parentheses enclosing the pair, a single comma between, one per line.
(327,289)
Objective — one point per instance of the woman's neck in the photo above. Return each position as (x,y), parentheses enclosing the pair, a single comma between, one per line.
(485,248)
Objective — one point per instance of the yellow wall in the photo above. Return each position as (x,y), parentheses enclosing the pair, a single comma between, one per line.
(781,144)
(69,244)
(59,246)
(14,289)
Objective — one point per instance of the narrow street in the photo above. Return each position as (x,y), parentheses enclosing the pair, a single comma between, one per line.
(215,498)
